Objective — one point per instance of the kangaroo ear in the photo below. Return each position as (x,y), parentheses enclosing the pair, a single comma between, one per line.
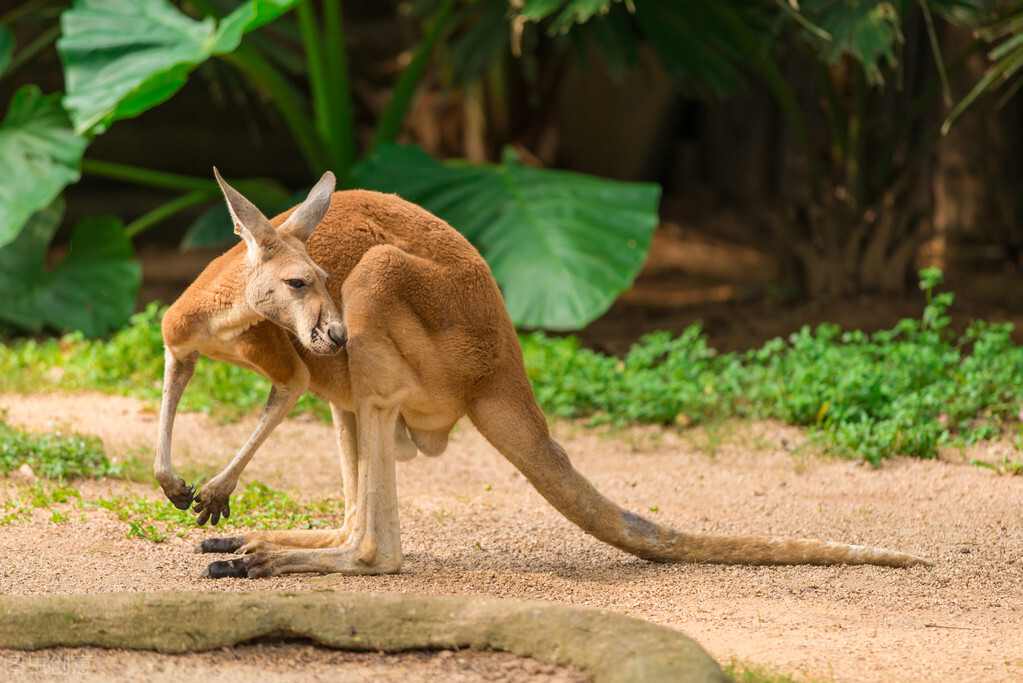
(249,222)
(309,213)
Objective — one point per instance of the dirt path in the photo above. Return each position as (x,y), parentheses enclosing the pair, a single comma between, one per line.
(473,525)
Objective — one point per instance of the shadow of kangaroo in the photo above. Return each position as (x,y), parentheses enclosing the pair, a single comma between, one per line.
(392,317)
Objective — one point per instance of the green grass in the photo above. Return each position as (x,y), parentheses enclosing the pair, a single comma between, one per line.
(743,672)
(41,495)
(256,507)
(131,363)
(53,455)
(909,390)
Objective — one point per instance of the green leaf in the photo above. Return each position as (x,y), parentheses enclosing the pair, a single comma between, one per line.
(212,228)
(569,11)
(39,156)
(6,48)
(248,17)
(701,43)
(92,289)
(866,29)
(123,57)
(562,245)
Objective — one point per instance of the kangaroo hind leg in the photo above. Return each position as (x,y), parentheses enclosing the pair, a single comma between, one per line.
(264,541)
(374,543)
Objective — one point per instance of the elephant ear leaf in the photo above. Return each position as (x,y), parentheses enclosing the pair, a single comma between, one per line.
(92,289)
(112,74)
(39,156)
(561,245)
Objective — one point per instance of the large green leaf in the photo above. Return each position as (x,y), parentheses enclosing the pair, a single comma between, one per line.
(92,289)
(868,30)
(39,156)
(562,245)
(122,57)
(6,48)
(701,43)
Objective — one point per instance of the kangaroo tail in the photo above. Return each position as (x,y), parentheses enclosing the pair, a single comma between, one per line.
(513,423)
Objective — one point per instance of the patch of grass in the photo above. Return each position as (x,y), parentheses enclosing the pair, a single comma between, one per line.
(256,507)
(131,363)
(53,455)
(40,495)
(909,390)
(743,672)
(1014,467)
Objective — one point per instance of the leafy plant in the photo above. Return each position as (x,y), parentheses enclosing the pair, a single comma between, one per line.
(92,289)
(39,495)
(1005,32)
(525,219)
(909,390)
(124,57)
(856,211)
(256,507)
(39,155)
(53,455)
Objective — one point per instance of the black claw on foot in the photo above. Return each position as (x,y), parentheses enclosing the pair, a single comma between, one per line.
(251,567)
(220,545)
(182,500)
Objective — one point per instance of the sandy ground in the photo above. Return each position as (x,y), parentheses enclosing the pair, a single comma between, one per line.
(472,525)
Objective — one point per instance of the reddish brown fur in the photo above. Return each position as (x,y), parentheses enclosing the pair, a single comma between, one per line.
(428,341)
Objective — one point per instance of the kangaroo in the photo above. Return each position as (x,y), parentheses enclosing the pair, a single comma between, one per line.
(392,317)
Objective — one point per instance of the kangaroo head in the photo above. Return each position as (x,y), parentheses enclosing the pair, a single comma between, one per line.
(284,285)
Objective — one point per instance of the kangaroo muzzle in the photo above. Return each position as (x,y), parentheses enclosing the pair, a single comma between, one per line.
(338,334)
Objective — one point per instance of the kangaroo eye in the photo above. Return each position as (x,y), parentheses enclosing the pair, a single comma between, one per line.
(295,283)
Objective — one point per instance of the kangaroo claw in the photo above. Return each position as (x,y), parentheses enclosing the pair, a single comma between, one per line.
(181,498)
(211,510)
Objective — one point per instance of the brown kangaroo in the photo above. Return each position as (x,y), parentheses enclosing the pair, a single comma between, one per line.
(391,316)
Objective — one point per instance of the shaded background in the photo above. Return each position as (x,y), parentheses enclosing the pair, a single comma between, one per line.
(728,166)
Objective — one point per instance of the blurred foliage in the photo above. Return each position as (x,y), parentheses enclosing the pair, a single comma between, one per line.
(1004,30)
(52,455)
(123,57)
(909,390)
(92,289)
(524,219)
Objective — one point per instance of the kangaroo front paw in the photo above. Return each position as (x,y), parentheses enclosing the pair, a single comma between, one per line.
(179,493)
(210,506)
(249,567)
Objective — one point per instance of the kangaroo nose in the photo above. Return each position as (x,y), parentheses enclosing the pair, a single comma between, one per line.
(338,334)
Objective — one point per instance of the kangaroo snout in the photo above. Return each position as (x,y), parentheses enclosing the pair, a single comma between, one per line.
(338,334)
